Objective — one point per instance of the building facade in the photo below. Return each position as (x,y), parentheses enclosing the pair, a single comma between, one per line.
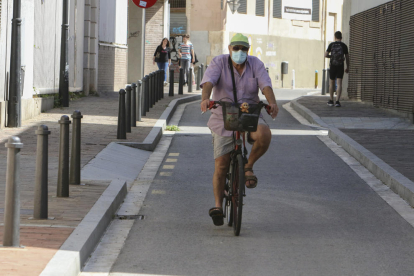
(293,31)
(97,34)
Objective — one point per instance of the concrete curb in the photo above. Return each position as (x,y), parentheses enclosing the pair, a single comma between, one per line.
(76,250)
(397,182)
(307,114)
(154,136)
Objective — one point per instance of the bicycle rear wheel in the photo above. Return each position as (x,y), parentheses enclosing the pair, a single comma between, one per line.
(238,183)
(228,213)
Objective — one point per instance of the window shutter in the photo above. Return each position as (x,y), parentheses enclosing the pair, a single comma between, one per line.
(178,23)
(243,6)
(277,8)
(260,7)
(315,10)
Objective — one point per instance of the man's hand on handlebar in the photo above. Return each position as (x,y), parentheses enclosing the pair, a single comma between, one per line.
(273,110)
(205,105)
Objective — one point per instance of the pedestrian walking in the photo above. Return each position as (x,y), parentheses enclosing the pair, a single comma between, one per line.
(336,51)
(193,64)
(162,57)
(186,53)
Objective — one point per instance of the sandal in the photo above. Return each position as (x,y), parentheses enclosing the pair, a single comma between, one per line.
(216,213)
(250,179)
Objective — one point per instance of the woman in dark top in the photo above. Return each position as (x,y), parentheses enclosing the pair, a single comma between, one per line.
(162,57)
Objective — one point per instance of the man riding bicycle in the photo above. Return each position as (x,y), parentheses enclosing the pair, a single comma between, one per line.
(249,75)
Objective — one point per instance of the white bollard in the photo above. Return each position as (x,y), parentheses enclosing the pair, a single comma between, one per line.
(293,79)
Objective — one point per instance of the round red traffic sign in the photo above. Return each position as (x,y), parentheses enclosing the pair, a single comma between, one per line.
(144,3)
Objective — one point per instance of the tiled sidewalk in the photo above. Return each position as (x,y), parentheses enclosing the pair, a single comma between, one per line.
(99,127)
(384,133)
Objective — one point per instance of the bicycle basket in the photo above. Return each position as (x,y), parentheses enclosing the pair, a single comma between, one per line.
(236,120)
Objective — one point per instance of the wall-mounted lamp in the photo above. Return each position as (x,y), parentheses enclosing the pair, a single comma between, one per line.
(234,5)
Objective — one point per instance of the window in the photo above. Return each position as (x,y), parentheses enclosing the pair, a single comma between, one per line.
(315,10)
(277,8)
(177,4)
(243,6)
(260,7)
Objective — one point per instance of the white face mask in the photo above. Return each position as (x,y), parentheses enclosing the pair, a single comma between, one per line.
(239,57)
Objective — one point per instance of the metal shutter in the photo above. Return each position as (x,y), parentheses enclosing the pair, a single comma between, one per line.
(277,8)
(243,6)
(178,23)
(378,45)
(315,10)
(260,7)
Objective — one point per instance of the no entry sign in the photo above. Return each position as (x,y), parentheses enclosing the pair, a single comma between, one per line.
(144,3)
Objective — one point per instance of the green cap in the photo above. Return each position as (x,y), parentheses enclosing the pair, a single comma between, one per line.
(240,39)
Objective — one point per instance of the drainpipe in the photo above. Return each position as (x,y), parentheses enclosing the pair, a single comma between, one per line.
(14,104)
(64,66)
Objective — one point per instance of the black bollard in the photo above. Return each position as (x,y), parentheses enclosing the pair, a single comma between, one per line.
(181,82)
(128,108)
(198,78)
(147,96)
(157,85)
(162,83)
(63,171)
(40,210)
(202,71)
(121,134)
(134,105)
(190,80)
(171,92)
(144,98)
(75,157)
(139,102)
(154,88)
(150,87)
(267,69)
(11,232)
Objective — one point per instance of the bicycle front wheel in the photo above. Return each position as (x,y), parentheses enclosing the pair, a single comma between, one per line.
(238,182)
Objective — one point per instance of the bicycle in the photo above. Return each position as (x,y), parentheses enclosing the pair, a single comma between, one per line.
(234,189)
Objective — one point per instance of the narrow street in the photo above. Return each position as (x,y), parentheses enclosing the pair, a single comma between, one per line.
(311,214)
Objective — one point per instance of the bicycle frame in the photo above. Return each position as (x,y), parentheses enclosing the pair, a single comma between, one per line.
(233,200)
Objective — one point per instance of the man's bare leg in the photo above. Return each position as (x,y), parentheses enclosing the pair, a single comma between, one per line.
(221,167)
(331,89)
(262,138)
(339,89)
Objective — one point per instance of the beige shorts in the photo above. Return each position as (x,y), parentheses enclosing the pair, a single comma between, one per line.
(225,144)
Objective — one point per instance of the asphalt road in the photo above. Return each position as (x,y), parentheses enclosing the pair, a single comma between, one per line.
(309,215)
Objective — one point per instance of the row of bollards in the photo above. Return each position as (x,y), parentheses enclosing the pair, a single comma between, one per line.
(65,176)
(137,99)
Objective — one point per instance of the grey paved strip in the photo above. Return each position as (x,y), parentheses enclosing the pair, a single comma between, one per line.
(112,242)
(77,248)
(395,180)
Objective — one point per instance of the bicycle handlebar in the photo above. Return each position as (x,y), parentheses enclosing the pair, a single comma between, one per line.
(215,104)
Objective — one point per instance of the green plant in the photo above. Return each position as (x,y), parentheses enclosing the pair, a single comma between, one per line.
(172,128)
(76,95)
